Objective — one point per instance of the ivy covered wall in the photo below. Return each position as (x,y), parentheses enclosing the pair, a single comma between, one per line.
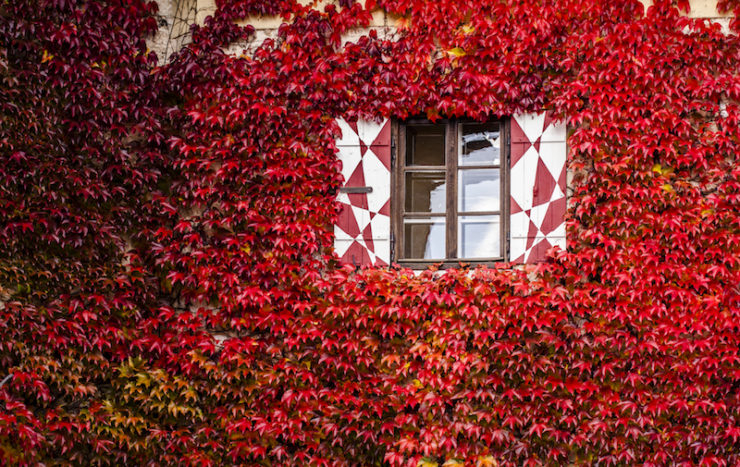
(169,288)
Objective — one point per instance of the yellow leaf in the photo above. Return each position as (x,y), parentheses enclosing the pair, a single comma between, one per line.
(457,52)
(190,395)
(453,463)
(426,462)
(667,187)
(46,57)
(487,461)
(657,168)
(143,378)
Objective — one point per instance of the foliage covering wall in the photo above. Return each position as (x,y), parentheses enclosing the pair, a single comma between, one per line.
(169,294)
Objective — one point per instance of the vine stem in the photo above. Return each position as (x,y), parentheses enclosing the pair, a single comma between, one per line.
(5,380)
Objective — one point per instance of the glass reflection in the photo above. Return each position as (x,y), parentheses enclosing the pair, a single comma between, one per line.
(424,238)
(479,144)
(479,237)
(425,192)
(478,190)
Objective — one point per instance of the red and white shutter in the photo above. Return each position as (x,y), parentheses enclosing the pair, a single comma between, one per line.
(537,190)
(538,185)
(362,233)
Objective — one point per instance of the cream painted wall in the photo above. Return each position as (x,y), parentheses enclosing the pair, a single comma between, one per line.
(207,7)
(266,27)
(699,9)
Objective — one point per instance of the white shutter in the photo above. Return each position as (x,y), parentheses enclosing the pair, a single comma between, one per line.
(537,186)
(362,233)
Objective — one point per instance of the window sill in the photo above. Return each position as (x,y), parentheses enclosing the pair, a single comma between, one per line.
(450,264)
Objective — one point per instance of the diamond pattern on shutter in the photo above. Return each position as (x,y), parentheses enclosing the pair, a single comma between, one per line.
(538,184)
(362,233)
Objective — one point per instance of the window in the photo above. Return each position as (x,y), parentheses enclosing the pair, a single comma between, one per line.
(450,192)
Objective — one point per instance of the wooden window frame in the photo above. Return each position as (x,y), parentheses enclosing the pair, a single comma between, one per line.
(398,169)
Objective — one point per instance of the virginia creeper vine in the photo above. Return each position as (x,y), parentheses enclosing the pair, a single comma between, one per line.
(168,292)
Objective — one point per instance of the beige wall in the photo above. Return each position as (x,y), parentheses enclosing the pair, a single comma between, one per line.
(266,27)
(206,7)
(699,9)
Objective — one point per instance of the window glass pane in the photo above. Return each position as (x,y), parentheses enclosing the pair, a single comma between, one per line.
(425,192)
(478,190)
(479,144)
(424,238)
(425,144)
(479,237)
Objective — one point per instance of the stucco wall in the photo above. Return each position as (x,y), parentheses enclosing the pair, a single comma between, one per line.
(267,26)
(699,9)
(175,16)
(206,7)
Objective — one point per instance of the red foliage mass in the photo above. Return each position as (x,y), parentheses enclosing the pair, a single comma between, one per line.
(168,293)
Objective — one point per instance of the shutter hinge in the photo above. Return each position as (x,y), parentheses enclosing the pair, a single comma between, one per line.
(393,152)
(393,247)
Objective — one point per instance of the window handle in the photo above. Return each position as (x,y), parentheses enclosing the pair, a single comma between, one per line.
(356,189)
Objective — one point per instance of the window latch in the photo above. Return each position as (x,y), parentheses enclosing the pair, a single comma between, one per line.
(350,190)
(393,152)
(393,247)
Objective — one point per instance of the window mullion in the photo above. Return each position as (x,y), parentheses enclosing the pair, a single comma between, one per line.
(398,201)
(504,207)
(451,182)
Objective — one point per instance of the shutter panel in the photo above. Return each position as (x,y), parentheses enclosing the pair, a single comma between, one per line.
(537,187)
(362,233)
